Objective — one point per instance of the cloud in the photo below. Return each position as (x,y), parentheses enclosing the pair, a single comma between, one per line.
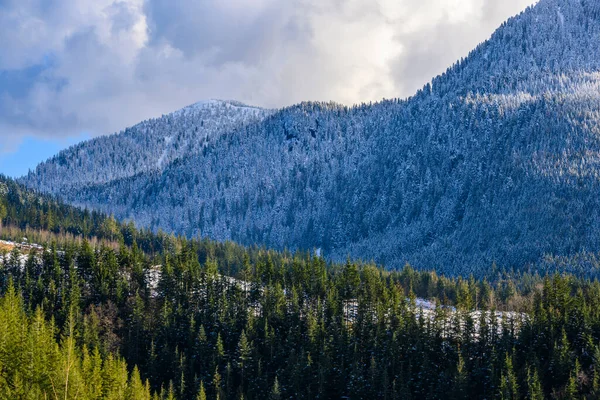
(68,66)
(436,40)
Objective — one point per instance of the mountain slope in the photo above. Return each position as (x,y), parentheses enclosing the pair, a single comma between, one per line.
(496,160)
(145,147)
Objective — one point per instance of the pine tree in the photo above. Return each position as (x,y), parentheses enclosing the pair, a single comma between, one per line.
(68,379)
(596,373)
(275,391)
(573,390)
(220,348)
(217,385)
(3,213)
(137,390)
(244,354)
(509,389)
(171,392)
(534,386)
(460,380)
(201,392)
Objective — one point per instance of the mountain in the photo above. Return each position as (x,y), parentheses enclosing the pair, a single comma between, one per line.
(146,147)
(497,160)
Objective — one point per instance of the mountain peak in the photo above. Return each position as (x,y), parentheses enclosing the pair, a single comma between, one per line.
(155,143)
(551,38)
(221,103)
(217,105)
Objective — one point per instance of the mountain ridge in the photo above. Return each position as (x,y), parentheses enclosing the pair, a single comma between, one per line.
(494,161)
(156,141)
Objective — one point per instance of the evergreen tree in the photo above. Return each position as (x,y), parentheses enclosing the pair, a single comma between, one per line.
(509,389)
(534,387)
(275,391)
(201,392)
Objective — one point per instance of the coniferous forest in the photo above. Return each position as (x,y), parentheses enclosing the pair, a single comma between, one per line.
(485,181)
(495,160)
(105,311)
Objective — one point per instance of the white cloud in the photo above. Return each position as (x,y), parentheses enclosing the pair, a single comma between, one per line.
(100,65)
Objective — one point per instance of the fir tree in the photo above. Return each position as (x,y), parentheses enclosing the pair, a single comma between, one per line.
(201,392)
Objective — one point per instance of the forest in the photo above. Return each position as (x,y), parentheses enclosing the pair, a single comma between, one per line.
(443,246)
(106,311)
(496,160)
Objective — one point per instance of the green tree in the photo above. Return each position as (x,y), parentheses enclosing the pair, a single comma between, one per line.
(244,351)
(509,389)
(217,385)
(276,391)
(460,380)
(534,386)
(3,213)
(201,392)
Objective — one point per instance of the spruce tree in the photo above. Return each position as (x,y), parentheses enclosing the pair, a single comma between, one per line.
(201,392)
(509,389)
(275,391)
(534,386)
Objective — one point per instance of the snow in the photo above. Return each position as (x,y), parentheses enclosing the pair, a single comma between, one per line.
(24,249)
(424,308)
(510,129)
(24,246)
(161,159)
(428,310)
(561,17)
(214,105)
(146,147)
(153,275)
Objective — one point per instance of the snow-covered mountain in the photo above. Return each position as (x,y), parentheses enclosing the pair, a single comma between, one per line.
(146,147)
(497,160)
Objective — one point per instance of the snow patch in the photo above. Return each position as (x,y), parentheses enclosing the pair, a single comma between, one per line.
(163,156)
(214,104)
(561,17)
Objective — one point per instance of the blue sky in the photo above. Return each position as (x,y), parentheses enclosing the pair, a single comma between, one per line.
(31,151)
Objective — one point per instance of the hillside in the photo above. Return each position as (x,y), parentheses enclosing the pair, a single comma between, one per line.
(197,319)
(494,161)
(146,147)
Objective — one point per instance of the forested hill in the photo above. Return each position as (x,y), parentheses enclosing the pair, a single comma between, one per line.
(45,220)
(87,319)
(495,161)
(146,147)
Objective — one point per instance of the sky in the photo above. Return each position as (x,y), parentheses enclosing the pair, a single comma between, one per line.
(31,150)
(75,69)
